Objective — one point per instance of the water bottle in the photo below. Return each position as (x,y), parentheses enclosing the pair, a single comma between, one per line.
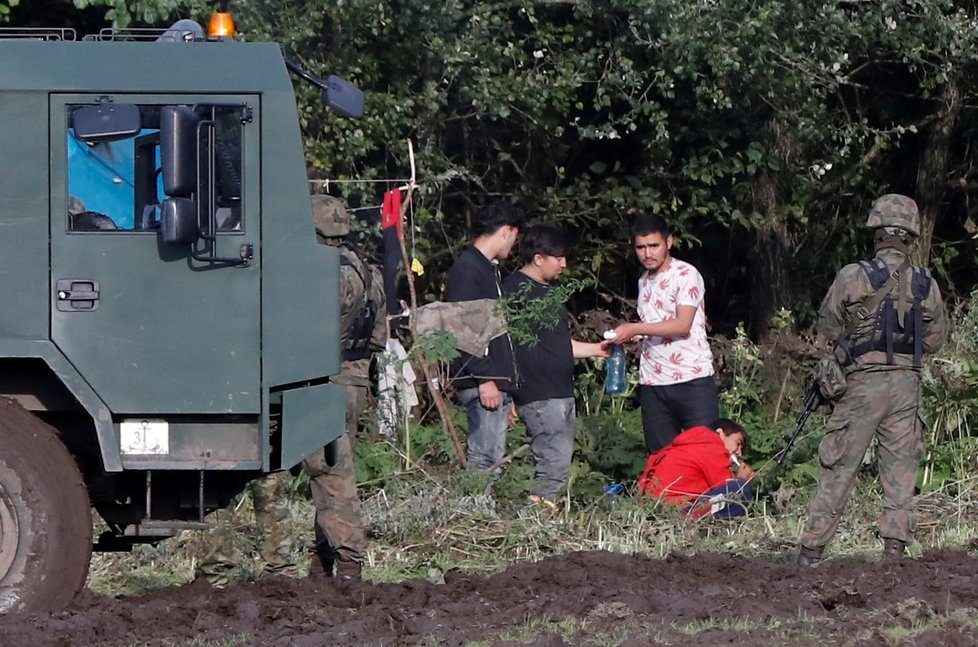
(616,366)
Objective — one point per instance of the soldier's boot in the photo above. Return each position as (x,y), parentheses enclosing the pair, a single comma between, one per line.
(276,561)
(808,557)
(893,550)
(320,568)
(348,570)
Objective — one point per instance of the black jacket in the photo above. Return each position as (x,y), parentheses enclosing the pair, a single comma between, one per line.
(473,276)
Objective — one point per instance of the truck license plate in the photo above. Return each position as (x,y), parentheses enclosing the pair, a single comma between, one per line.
(144,437)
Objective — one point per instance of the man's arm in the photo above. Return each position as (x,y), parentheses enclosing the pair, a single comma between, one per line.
(489,395)
(935,320)
(678,327)
(379,334)
(832,313)
(584,349)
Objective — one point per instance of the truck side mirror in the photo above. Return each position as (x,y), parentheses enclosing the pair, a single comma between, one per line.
(105,122)
(178,150)
(342,97)
(178,221)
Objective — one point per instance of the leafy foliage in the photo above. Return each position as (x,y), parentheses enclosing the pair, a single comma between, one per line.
(761,129)
(613,445)
(950,392)
(125,13)
(525,316)
(5,7)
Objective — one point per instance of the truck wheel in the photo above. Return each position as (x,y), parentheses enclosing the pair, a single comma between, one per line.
(45,516)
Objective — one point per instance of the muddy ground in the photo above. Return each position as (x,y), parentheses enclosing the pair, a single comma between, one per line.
(594,598)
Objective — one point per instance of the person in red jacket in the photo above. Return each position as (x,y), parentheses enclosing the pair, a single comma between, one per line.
(702,471)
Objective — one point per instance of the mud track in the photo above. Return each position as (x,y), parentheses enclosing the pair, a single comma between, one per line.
(705,599)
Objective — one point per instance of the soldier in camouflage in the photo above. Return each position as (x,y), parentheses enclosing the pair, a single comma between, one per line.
(339,533)
(883,392)
(340,539)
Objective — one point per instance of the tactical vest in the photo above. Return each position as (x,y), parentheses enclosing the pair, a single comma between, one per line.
(889,335)
(355,342)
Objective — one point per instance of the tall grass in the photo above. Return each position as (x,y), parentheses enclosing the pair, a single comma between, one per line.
(431,518)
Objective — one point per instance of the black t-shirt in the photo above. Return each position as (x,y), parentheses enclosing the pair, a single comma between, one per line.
(546,368)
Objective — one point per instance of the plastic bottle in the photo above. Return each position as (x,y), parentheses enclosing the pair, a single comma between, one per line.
(616,366)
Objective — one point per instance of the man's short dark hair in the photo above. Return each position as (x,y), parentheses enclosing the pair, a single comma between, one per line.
(644,224)
(728,428)
(489,218)
(542,239)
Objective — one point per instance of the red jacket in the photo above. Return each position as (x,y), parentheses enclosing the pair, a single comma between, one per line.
(695,461)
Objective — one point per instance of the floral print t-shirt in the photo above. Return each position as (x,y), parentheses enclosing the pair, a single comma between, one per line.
(672,360)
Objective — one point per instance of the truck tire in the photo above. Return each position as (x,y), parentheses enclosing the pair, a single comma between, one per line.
(45,516)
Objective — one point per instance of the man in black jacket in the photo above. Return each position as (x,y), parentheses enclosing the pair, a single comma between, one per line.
(483,383)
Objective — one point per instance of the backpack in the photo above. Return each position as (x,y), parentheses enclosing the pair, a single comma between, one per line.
(890,335)
(355,339)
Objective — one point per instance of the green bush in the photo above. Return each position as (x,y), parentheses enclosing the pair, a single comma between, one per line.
(612,445)
(950,385)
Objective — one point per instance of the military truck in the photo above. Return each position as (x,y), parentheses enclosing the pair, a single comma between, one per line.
(169,324)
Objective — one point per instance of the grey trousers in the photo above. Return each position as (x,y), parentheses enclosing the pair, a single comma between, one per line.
(552,426)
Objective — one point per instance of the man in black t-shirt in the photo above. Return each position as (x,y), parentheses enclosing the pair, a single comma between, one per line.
(545,398)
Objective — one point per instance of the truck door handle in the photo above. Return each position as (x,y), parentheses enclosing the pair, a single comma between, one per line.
(77,295)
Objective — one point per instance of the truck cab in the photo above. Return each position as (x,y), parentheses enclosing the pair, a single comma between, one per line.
(170,324)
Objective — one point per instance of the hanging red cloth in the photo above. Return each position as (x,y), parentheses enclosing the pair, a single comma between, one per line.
(391,215)
(390,218)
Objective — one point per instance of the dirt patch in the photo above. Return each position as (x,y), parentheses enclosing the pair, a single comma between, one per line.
(570,599)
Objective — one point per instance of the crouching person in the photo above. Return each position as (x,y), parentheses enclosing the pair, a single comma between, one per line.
(701,471)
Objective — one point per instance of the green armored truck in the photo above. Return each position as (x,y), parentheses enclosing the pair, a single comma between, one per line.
(168,325)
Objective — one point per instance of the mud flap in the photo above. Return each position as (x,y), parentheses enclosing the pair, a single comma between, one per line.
(312,417)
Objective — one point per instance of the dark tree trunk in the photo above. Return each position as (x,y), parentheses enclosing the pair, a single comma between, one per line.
(769,283)
(932,171)
(769,289)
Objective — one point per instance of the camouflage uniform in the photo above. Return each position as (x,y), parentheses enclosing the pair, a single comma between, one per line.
(881,400)
(339,527)
(473,323)
(224,561)
(271,497)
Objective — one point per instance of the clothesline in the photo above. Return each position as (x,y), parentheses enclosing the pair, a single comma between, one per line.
(407,183)
(325,183)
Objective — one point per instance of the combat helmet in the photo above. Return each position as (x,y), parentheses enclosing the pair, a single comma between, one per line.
(331,217)
(895,210)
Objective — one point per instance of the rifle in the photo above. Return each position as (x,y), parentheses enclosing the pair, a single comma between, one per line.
(813,399)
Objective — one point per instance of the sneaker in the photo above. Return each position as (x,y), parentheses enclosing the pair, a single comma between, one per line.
(808,557)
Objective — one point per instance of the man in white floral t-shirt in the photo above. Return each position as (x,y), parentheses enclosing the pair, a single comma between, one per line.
(676,386)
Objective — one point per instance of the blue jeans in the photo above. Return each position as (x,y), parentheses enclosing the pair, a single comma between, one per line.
(725,501)
(551,425)
(487,429)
